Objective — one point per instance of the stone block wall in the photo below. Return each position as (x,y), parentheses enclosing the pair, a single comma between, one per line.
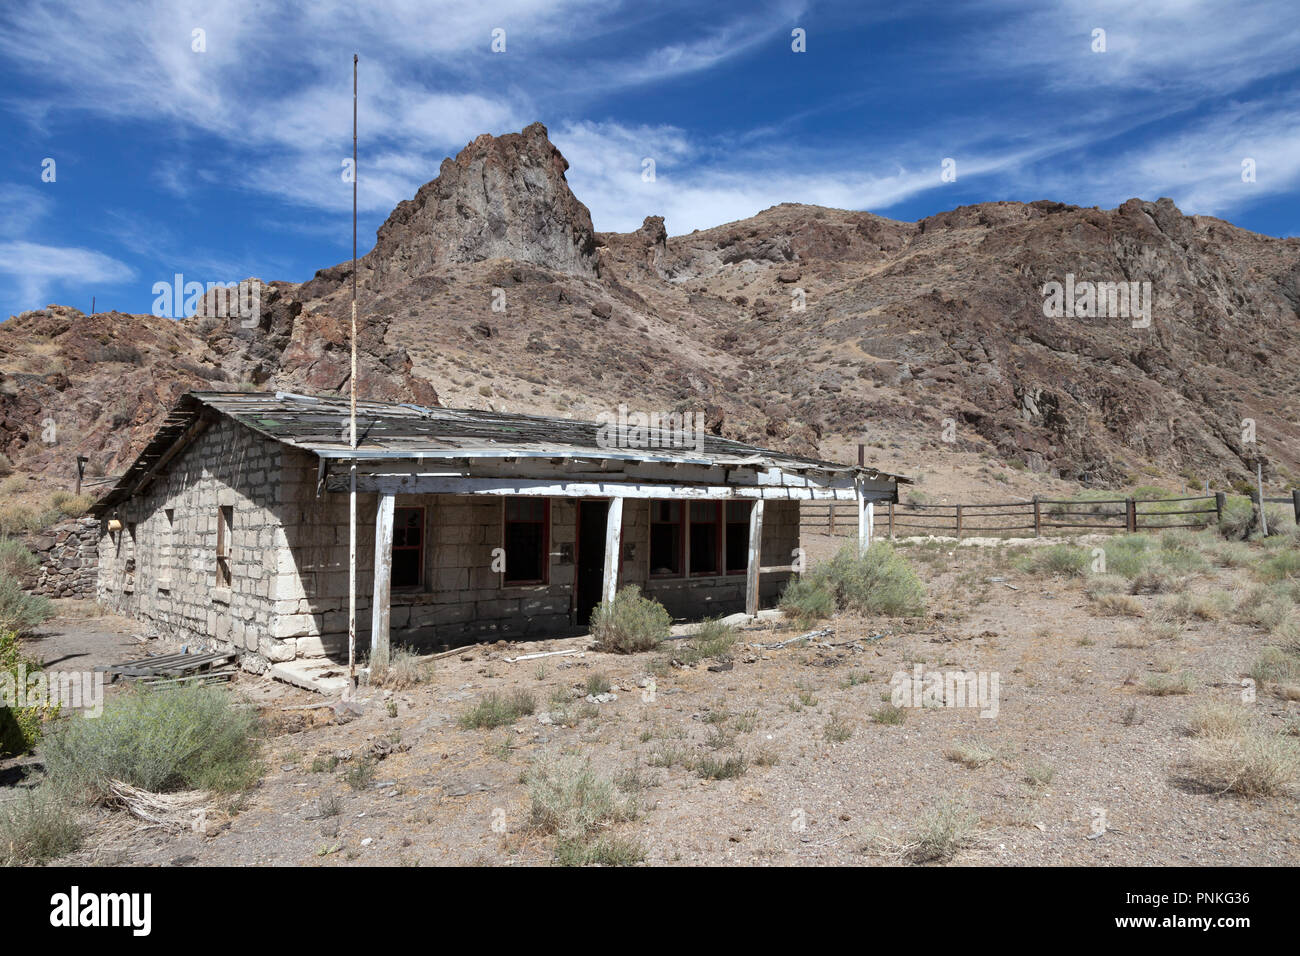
(288,594)
(161,566)
(68,556)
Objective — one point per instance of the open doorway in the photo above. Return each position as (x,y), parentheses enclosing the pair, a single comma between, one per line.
(590,559)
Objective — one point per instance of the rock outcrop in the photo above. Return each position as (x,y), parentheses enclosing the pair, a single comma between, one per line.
(801,328)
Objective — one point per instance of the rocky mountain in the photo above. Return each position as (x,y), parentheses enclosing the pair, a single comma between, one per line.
(803,328)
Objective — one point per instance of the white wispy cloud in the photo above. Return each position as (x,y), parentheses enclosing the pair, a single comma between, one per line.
(35,269)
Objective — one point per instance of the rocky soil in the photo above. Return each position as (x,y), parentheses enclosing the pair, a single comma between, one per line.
(824,781)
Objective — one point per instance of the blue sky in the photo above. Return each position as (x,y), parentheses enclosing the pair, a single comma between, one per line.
(225,163)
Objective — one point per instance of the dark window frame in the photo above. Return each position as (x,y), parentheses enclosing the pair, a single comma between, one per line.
(726,535)
(719,558)
(682,510)
(419,549)
(225,532)
(545,563)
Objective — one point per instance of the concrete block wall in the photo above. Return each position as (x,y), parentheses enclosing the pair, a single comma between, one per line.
(288,596)
(164,571)
(460,599)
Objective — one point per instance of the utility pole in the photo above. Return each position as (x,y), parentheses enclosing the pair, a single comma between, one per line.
(1259,484)
(352,381)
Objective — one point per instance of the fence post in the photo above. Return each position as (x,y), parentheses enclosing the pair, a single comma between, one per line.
(1220,500)
(891,520)
(830,518)
(1038,518)
(959,521)
(1295,503)
(1132,514)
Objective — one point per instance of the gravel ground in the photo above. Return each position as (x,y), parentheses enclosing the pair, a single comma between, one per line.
(1070,707)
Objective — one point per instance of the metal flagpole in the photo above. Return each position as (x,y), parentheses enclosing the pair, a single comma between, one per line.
(352,380)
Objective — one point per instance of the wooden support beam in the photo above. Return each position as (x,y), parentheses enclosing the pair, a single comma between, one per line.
(553,488)
(755,555)
(613,559)
(381,607)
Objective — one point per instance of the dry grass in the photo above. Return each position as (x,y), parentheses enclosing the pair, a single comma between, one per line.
(970,755)
(1247,763)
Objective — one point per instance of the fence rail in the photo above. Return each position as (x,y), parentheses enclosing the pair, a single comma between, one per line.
(1038,515)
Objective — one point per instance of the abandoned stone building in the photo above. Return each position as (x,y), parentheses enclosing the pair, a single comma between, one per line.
(231,529)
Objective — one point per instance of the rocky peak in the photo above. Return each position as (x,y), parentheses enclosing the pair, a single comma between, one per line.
(502,197)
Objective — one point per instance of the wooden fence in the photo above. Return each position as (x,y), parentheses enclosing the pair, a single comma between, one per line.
(1035,517)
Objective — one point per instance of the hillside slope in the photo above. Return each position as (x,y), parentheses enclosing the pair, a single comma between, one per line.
(927,340)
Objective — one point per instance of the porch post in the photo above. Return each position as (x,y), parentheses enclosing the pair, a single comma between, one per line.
(755,557)
(866,518)
(613,530)
(381,606)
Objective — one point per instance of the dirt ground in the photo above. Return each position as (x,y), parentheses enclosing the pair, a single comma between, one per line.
(824,782)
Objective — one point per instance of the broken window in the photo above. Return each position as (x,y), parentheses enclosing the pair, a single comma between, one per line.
(666,538)
(225,522)
(525,538)
(706,536)
(738,536)
(408,547)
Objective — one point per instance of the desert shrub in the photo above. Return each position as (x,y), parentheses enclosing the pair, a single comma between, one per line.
(880,581)
(66,503)
(36,826)
(1128,556)
(630,623)
(6,467)
(806,600)
(15,558)
(568,799)
(713,639)
(20,727)
(1282,566)
(498,710)
(15,517)
(1249,763)
(189,737)
(20,611)
(889,714)
(1275,666)
(1118,605)
(1237,519)
(1182,557)
(971,755)
(710,767)
(1153,580)
(1101,584)
(1234,554)
(1217,720)
(1064,560)
(404,669)
(1207,607)
(1164,685)
(941,833)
